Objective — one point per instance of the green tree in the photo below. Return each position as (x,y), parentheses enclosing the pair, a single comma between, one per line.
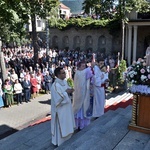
(104,8)
(12,20)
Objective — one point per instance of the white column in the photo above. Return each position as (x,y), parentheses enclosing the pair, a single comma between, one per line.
(126,42)
(135,43)
(129,43)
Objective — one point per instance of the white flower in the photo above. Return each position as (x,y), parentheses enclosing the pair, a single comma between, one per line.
(143,77)
(148,69)
(132,81)
(131,75)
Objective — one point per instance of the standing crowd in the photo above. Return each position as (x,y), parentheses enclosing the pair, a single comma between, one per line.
(26,80)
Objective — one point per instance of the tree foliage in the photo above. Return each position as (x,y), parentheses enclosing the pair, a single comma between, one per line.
(114,8)
(12,19)
(138,5)
(81,23)
(15,14)
(104,8)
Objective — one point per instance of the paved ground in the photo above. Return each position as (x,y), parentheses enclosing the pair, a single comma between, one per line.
(18,117)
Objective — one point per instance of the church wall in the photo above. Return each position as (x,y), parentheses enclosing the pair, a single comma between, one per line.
(97,39)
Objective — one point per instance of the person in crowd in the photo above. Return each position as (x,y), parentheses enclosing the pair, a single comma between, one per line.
(28,76)
(22,74)
(34,84)
(13,76)
(26,89)
(105,76)
(67,72)
(112,72)
(39,78)
(62,123)
(48,82)
(18,91)
(8,90)
(31,71)
(1,95)
(148,56)
(9,80)
(81,95)
(101,63)
(73,71)
(111,62)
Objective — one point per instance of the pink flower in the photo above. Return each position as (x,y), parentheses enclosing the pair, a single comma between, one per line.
(148,76)
(142,70)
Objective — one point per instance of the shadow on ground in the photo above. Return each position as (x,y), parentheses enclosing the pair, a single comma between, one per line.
(6,131)
(46,102)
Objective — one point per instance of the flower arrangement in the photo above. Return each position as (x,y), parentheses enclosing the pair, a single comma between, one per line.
(138,74)
(70,82)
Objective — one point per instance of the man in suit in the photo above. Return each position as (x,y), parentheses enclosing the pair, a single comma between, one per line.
(27,89)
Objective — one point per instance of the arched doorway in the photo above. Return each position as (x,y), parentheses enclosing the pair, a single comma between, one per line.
(76,42)
(102,44)
(65,42)
(55,42)
(89,42)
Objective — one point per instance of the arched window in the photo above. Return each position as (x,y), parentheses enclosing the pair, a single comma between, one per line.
(65,41)
(102,40)
(89,42)
(55,41)
(102,44)
(76,42)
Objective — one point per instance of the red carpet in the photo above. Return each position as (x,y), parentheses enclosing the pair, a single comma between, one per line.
(122,104)
(41,121)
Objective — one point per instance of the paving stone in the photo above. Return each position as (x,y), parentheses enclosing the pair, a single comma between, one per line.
(114,135)
(134,141)
(147,147)
(93,135)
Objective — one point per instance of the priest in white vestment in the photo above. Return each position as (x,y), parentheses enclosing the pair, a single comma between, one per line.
(99,92)
(62,117)
(81,95)
(99,81)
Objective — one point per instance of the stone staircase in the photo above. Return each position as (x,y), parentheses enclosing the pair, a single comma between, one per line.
(109,132)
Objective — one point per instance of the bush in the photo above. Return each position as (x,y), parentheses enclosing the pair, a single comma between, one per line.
(120,72)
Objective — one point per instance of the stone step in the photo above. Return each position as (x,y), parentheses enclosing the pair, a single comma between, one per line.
(27,138)
(99,132)
(122,104)
(108,132)
(126,96)
(134,141)
(147,147)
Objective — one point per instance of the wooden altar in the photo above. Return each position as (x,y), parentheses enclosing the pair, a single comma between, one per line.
(140,114)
